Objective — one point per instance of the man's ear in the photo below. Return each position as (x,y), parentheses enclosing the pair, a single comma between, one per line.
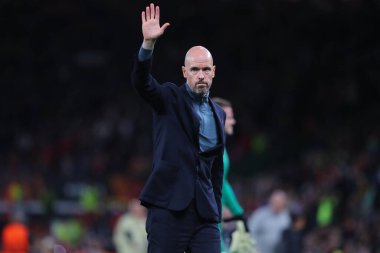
(184,72)
(214,70)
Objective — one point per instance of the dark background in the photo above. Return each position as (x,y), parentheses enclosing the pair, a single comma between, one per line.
(303,76)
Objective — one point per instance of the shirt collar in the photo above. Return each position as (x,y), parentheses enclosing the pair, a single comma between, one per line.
(202,98)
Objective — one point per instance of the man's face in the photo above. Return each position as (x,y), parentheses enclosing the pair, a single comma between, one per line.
(278,202)
(199,70)
(230,120)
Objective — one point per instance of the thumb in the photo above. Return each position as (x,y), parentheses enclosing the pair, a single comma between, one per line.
(164,26)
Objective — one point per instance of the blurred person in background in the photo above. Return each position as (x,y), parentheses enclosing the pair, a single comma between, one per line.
(44,244)
(292,237)
(267,223)
(229,200)
(183,191)
(15,235)
(129,234)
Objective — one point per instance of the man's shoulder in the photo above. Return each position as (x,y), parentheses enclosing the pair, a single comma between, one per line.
(170,85)
(173,88)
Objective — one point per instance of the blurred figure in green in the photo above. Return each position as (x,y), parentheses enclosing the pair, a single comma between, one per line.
(229,201)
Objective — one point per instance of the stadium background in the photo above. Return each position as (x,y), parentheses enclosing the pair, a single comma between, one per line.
(303,76)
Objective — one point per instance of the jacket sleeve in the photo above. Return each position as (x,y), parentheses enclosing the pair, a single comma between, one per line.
(145,84)
(217,182)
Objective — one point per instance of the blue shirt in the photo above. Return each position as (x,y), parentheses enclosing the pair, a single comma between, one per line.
(208,137)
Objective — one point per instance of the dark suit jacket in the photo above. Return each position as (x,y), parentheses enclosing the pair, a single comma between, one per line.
(180,172)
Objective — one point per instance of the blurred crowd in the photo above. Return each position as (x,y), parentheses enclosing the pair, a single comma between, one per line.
(303,77)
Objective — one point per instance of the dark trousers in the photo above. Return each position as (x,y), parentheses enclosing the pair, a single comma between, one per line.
(179,232)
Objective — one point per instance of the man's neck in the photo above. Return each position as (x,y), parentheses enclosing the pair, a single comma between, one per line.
(200,97)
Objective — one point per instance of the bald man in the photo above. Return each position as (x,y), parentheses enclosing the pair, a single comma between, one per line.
(268,222)
(183,191)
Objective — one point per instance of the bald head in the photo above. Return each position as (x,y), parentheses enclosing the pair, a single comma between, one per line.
(198,53)
(278,201)
(199,70)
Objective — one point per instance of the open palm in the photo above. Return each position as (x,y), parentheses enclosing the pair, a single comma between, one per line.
(151,28)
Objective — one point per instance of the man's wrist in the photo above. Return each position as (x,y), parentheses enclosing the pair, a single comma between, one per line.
(148,44)
(144,54)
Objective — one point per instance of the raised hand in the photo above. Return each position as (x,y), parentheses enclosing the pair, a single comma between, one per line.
(151,28)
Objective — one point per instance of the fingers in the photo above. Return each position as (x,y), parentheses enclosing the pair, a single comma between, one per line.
(147,12)
(143,17)
(152,11)
(157,13)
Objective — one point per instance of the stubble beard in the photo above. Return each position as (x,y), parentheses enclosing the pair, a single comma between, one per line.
(202,91)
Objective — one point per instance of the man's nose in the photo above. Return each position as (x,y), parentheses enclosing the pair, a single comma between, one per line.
(201,74)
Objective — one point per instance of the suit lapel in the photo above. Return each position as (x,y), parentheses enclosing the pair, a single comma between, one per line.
(193,117)
(219,121)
